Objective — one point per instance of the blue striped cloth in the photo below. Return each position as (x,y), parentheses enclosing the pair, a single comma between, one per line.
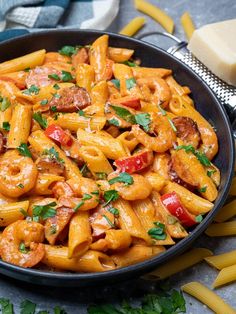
(18,17)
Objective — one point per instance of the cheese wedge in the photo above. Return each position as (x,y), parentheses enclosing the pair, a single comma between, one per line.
(215,46)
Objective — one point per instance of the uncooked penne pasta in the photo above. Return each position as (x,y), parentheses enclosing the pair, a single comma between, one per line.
(225,276)
(133,26)
(222,260)
(208,297)
(226,212)
(221,229)
(187,24)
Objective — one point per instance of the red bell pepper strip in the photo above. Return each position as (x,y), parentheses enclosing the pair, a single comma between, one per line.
(134,163)
(129,101)
(172,203)
(56,133)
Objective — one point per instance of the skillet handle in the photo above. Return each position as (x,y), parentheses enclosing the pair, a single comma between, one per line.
(224,92)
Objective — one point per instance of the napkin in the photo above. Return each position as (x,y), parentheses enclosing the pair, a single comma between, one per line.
(18,17)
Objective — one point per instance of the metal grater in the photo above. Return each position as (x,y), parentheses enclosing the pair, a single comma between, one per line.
(224,92)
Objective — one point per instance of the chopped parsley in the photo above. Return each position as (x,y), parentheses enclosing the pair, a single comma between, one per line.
(56,86)
(53,108)
(54,76)
(52,153)
(66,76)
(203,189)
(27,69)
(144,120)
(163,112)
(124,114)
(114,121)
(110,195)
(95,192)
(44,102)
(84,170)
(75,209)
(108,220)
(20,185)
(101,175)
(81,113)
(37,116)
(67,50)
(210,172)
(5,103)
(199,218)
(86,197)
(23,249)
(114,211)
(44,211)
(130,83)
(130,64)
(200,156)
(172,124)
(6,126)
(158,232)
(53,229)
(122,177)
(33,90)
(24,212)
(24,150)
(116,83)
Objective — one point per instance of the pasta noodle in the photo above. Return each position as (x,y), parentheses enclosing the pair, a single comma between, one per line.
(187,24)
(93,171)
(208,297)
(225,276)
(226,212)
(180,263)
(133,26)
(222,260)
(221,229)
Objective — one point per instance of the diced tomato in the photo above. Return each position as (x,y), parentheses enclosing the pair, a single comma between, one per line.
(172,203)
(56,133)
(134,163)
(129,101)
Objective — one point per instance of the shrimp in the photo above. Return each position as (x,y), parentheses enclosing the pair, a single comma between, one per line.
(21,243)
(162,94)
(165,134)
(86,191)
(138,190)
(18,174)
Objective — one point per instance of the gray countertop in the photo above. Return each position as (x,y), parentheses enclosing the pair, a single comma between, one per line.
(75,300)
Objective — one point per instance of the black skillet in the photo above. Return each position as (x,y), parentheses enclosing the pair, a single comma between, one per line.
(206,103)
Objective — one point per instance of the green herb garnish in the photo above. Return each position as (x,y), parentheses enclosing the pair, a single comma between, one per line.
(86,197)
(130,83)
(114,121)
(7,307)
(124,114)
(52,153)
(110,195)
(37,116)
(23,249)
(5,103)
(200,156)
(101,175)
(203,189)
(116,83)
(20,185)
(23,212)
(33,90)
(130,64)
(108,220)
(27,69)
(54,76)
(66,76)
(44,102)
(53,108)
(210,172)
(114,211)
(144,120)
(123,177)
(67,51)
(172,124)
(6,126)
(78,206)
(56,86)
(24,150)
(44,211)
(158,232)
(199,218)
(53,229)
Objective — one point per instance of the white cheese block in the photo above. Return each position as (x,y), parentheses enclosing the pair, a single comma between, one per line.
(215,46)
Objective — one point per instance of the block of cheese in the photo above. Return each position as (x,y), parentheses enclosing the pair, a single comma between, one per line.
(215,46)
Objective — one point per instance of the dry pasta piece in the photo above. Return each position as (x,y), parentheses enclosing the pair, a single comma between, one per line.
(156,13)
(226,212)
(208,297)
(187,24)
(180,263)
(133,26)
(225,276)
(222,260)
(221,229)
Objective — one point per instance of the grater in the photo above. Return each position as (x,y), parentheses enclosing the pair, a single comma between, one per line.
(224,92)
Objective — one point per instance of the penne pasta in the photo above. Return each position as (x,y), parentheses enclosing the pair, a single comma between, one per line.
(208,297)
(187,24)
(156,13)
(232,190)
(221,229)
(133,26)
(225,276)
(226,212)
(180,263)
(12,212)
(222,260)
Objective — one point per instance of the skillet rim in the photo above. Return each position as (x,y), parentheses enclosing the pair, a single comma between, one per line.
(80,279)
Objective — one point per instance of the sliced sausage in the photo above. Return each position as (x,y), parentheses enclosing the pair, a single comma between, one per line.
(187,130)
(46,164)
(71,99)
(175,178)
(39,76)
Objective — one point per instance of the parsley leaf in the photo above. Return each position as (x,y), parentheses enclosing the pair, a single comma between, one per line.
(44,211)
(6,126)
(122,177)
(67,51)
(114,121)
(66,76)
(108,220)
(116,83)
(203,189)
(200,156)
(27,69)
(130,83)
(53,108)
(56,86)
(130,64)
(199,218)
(23,249)
(54,76)
(114,211)
(44,102)
(101,175)
(37,116)
(20,185)
(163,112)
(78,206)
(86,197)
(27,307)
(5,103)
(124,114)
(158,232)
(33,90)
(110,195)
(52,153)
(144,120)
(210,172)
(7,307)
(23,212)
(24,150)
